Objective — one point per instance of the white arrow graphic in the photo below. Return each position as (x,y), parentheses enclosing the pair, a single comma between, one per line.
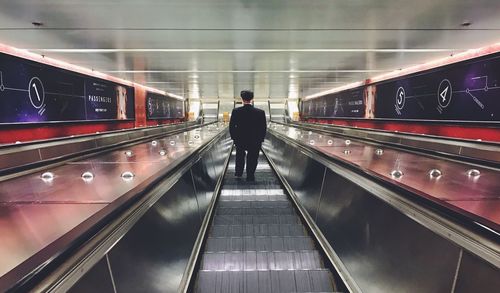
(443,94)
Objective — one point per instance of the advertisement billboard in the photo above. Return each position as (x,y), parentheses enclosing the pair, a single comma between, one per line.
(31,92)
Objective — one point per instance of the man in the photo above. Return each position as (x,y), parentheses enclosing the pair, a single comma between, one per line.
(248,129)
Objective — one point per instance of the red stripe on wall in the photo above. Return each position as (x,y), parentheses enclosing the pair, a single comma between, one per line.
(23,133)
(445,130)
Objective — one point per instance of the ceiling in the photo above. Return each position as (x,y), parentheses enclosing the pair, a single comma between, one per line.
(280,49)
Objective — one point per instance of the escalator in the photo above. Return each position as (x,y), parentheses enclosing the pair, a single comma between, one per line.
(258,243)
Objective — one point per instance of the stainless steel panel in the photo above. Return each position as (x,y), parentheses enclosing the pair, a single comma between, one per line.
(276,150)
(491,154)
(454,185)
(65,149)
(99,276)
(111,139)
(28,228)
(476,276)
(68,186)
(489,209)
(15,159)
(306,178)
(384,138)
(152,256)
(135,134)
(422,143)
(384,250)
(203,182)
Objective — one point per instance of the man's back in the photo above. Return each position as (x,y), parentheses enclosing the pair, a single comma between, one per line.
(248,126)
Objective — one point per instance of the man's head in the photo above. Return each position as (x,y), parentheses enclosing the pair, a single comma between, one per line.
(246,96)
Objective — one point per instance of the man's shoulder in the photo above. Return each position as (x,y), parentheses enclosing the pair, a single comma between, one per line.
(258,110)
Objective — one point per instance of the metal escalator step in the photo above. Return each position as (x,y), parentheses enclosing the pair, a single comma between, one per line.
(262,260)
(262,211)
(264,281)
(272,197)
(263,243)
(255,204)
(251,186)
(257,230)
(250,219)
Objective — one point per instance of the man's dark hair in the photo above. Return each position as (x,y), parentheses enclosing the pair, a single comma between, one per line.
(246,95)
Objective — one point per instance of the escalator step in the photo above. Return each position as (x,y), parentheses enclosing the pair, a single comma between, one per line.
(251,219)
(255,204)
(257,230)
(261,260)
(288,243)
(264,281)
(255,211)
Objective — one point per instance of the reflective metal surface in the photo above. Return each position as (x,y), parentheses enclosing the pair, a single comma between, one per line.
(454,189)
(36,212)
(153,255)
(14,156)
(383,248)
(100,274)
(486,152)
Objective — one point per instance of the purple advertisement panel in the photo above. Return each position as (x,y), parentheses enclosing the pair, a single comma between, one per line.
(163,107)
(31,92)
(466,91)
(345,104)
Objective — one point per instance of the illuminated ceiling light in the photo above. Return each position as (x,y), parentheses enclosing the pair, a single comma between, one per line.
(27,54)
(250,71)
(335,90)
(222,50)
(469,54)
(379,152)
(154,143)
(454,58)
(163,153)
(466,23)
(129,153)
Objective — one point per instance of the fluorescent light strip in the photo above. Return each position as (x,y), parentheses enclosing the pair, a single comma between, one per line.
(247,71)
(25,54)
(347,50)
(469,54)
(334,90)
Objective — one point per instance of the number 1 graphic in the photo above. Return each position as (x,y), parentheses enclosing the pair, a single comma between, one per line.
(36,90)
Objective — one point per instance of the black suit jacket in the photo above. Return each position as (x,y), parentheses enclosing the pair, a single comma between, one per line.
(248,126)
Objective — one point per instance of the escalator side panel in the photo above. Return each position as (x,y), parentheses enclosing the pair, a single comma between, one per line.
(306,179)
(474,274)
(399,255)
(100,274)
(153,255)
(203,178)
(382,248)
